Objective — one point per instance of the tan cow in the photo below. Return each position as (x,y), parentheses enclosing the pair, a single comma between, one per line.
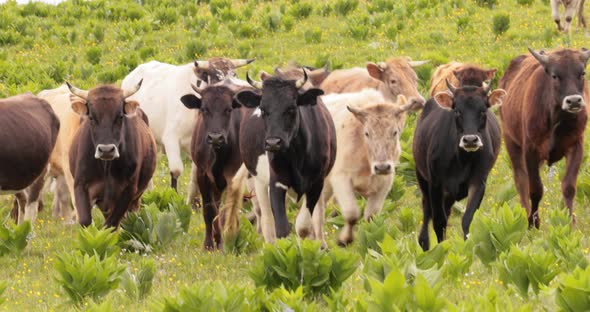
(394,77)
(570,8)
(368,129)
(459,74)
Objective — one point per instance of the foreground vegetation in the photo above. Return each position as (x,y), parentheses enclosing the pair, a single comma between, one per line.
(503,266)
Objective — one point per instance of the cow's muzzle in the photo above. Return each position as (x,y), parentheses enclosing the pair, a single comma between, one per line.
(216,139)
(573,103)
(470,143)
(382,168)
(106,152)
(273,144)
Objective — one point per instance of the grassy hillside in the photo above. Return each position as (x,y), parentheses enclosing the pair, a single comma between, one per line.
(101,41)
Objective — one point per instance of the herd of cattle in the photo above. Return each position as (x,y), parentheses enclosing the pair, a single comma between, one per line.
(299,134)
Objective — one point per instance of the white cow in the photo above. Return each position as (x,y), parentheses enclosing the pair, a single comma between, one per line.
(170,121)
(571,7)
(368,129)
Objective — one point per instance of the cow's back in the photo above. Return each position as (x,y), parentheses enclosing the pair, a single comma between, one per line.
(349,80)
(29,130)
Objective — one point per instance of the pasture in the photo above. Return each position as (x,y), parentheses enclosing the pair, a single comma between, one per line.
(88,43)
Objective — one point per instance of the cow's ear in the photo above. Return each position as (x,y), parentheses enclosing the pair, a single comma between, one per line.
(374,70)
(78,105)
(358,113)
(444,99)
(309,97)
(490,74)
(248,98)
(496,97)
(191,101)
(130,107)
(264,75)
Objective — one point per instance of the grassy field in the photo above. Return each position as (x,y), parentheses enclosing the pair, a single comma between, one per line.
(101,41)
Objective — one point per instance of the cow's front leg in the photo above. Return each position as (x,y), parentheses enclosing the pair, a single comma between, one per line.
(344,195)
(125,202)
(209,210)
(277,192)
(477,188)
(573,159)
(82,204)
(316,205)
(376,200)
(555,13)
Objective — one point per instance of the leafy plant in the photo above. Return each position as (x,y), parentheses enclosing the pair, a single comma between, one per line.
(3,286)
(573,291)
(209,297)
(395,294)
(246,240)
(169,200)
(531,267)
(103,242)
(313,36)
(93,55)
(14,238)
(295,263)
(493,234)
(138,286)
(343,7)
(371,234)
(301,10)
(84,276)
(149,228)
(500,23)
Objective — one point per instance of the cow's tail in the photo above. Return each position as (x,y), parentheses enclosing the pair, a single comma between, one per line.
(233,201)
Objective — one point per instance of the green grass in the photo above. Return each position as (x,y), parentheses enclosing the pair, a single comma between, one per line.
(41,45)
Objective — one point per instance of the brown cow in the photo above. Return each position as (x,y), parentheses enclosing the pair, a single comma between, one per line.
(315,76)
(113,154)
(29,129)
(459,74)
(391,78)
(543,119)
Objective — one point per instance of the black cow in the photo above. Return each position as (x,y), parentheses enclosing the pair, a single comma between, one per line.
(456,143)
(113,154)
(289,141)
(215,148)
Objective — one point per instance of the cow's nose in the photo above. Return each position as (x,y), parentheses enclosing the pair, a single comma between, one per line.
(215,138)
(419,100)
(470,139)
(272,144)
(106,152)
(382,168)
(574,101)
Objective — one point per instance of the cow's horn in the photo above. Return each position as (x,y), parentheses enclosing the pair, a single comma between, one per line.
(78,92)
(382,65)
(278,72)
(541,57)
(200,87)
(254,83)
(241,62)
(450,86)
(128,93)
(299,83)
(202,65)
(486,85)
(417,63)
(585,55)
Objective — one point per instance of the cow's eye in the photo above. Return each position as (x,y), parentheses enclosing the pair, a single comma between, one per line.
(554,76)
(367,134)
(395,133)
(457,113)
(393,81)
(121,117)
(582,75)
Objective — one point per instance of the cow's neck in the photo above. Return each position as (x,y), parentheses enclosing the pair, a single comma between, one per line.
(288,164)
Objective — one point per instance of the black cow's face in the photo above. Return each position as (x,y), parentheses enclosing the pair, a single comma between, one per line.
(105,109)
(279,106)
(567,71)
(469,106)
(216,104)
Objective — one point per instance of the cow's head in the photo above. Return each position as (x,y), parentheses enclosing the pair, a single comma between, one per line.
(470,75)
(315,75)
(398,75)
(566,69)
(469,105)
(105,109)
(215,102)
(216,69)
(278,106)
(382,125)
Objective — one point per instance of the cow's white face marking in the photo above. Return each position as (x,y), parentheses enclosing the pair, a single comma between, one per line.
(281,185)
(257,112)
(573,103)
(476,147)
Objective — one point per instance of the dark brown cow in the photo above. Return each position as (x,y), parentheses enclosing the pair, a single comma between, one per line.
(543,119)
(29,129)
(28,132)
(315,76)
(215,149)
(113,154)
(459,74)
